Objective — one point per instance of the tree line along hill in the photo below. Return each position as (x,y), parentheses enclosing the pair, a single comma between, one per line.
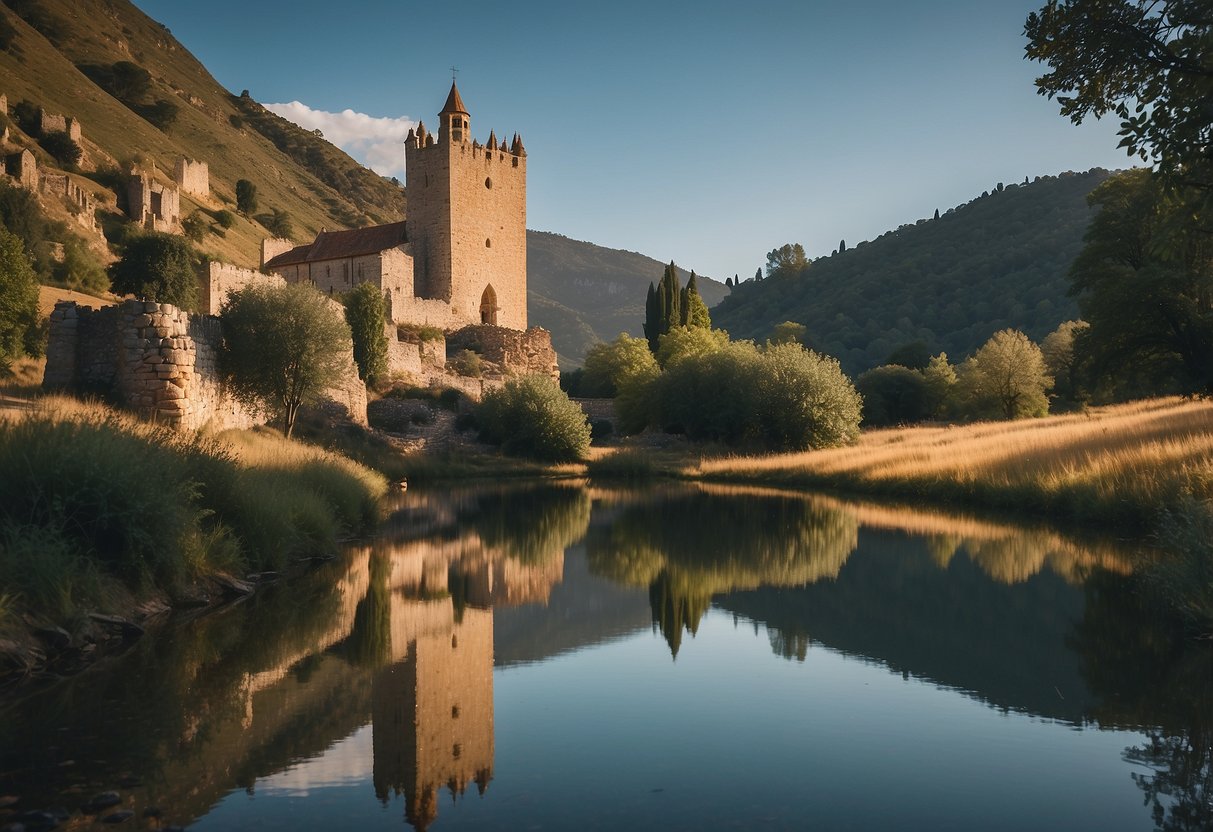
(1000,261)
(61,56)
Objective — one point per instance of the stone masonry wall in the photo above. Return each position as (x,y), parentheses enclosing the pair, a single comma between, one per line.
(519,353)
(222,279)
(158,361)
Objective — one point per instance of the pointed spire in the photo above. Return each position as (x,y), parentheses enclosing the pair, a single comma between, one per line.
(521,149)
(514,145)
(454,104)
(492,145)
(411,137)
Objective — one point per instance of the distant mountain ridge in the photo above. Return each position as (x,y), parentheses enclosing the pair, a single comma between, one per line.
(585,293)
(998,261)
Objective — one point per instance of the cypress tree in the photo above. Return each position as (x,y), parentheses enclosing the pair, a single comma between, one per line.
(652,318)
(673,295)
(842,246)
(936,213)
(758,273)
(694,310)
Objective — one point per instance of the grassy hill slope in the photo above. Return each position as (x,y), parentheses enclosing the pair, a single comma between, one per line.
(999,261)
(47,65)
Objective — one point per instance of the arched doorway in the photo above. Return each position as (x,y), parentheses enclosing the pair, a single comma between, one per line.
(488,306)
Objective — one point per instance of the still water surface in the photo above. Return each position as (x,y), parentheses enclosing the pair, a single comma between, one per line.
(551,657)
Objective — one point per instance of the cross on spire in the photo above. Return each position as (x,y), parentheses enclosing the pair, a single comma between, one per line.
(454,72)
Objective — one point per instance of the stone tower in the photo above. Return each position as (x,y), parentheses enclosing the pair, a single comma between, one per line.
(467,218)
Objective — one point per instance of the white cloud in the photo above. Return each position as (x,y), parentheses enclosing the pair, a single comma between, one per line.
(374,141)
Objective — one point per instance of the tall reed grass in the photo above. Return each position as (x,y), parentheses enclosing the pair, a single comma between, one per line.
(96,507)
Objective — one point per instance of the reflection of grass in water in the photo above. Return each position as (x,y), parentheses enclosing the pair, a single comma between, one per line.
(534,524)
(1185,575)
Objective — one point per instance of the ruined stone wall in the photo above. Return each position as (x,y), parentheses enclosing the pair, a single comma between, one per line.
(151,204)
(23,168)
(81,200)
(516,353)
(73,129)
(222,279)
(467,224)
(160,362)
(52,122)
(192,177)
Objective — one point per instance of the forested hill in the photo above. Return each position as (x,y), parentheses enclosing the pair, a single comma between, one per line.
(998,261)
(585,293)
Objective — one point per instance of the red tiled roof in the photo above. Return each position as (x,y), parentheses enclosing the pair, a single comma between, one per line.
(338,245)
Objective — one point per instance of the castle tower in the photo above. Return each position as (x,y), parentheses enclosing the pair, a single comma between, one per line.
(467,220)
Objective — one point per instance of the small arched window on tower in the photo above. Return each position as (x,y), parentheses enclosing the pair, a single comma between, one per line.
(488,306)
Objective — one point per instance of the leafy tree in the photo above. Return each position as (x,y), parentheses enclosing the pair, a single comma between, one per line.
(786,261)
(246,197)
(1146,61)
(366,314)
(789,332)
(532,417)
(694,310)
(842,246)
(1144,282)
(758,273)
(283,346)
(225,218)
(894,395)
(940,377)
(682,342)
(914,355)
(1007,377)
(61,147)
(19,316)
(277,222)
(612,366)
(159,267)
(1058,351)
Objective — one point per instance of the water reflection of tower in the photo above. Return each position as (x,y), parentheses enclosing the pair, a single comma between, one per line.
(432,705)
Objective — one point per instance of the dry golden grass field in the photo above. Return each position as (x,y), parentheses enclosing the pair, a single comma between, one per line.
(1121,464)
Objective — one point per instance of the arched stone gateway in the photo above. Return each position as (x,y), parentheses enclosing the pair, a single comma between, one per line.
(488,306)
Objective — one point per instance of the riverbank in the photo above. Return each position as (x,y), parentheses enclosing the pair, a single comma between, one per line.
(105,519)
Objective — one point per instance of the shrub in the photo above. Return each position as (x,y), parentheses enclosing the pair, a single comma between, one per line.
(602,429)
(532,417)
(277,222)
(195,226)
(161,115)
(804,400)
(1006,378)
(225,218)
(365,312)
(467,363)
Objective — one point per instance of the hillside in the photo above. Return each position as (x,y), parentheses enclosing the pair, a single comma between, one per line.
(585,293)
(60,52)
(998,261)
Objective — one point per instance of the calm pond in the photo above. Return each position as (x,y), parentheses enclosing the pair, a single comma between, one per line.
(560,657)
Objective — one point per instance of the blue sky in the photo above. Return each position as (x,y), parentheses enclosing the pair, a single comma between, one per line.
(707,133)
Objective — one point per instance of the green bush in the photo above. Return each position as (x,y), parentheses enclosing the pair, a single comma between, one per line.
(532,417)
(467,363)
(225,218)
(195,226)
(19,317)
(616,364)
(782,397)
(159,267)
(61,148)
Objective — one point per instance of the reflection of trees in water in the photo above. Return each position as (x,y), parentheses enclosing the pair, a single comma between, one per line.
(688,547)
(370,641)
(1149,675)
(530,524)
